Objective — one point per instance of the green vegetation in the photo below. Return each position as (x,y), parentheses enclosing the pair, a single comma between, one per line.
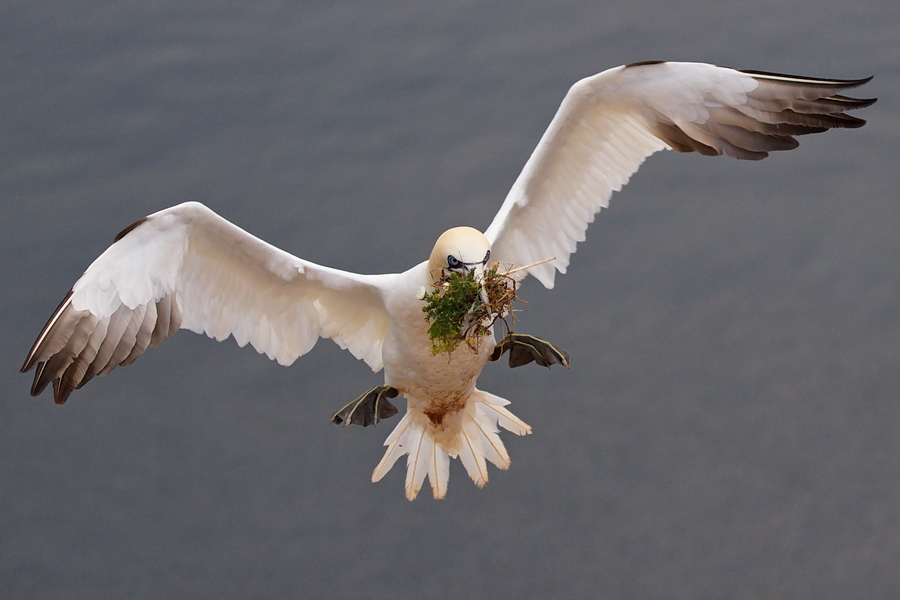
(462,308)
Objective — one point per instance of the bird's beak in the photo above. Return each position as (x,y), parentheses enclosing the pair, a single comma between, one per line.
(478,269)
(466,268)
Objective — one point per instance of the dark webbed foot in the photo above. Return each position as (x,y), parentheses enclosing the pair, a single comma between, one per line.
(369,408)
(526,348)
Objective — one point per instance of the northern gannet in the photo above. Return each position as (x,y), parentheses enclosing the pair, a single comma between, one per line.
(186,267)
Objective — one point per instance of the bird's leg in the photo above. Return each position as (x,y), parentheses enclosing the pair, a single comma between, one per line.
(526,348)
(369,408)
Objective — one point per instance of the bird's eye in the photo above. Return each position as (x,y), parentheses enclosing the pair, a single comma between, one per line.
(453,262)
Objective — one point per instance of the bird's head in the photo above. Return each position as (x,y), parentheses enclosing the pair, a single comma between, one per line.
(459,250)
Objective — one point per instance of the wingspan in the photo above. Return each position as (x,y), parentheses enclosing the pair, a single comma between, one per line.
(187,267)
(609,123)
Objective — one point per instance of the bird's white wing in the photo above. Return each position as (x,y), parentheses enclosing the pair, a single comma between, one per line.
(187,267)
(609,123)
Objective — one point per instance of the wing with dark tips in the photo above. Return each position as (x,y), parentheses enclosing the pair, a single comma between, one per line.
(186,267)
(609,123)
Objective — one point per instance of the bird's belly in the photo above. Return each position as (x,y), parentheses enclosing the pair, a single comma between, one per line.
(437,386)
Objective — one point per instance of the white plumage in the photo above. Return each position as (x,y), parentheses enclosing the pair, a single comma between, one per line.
(186,267)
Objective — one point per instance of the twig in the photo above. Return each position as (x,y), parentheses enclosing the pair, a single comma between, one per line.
(540,262)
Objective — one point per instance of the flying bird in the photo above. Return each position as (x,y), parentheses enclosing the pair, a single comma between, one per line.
(185,267)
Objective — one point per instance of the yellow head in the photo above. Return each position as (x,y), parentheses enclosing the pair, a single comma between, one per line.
(459,250)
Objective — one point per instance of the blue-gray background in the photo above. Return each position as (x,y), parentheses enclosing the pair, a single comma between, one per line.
(730,427)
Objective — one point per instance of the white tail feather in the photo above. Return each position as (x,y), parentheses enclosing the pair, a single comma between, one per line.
(476,442)
(505,419)
(395,450)
(438,473)
(417,461)
(491,445)
(471,457)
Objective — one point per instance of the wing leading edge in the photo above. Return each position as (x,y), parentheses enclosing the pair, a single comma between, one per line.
(186,267)
(608,124)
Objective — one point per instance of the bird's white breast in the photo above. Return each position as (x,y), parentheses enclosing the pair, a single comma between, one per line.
(432,383)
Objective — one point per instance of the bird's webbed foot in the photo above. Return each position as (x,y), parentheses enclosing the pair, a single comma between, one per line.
(369,408)
(526,348)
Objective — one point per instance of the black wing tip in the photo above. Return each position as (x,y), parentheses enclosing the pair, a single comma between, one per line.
(129,229)
(61,392)
(39,384)
(856,103)
(837,83)
(852,123)
(31,359)
(644,63)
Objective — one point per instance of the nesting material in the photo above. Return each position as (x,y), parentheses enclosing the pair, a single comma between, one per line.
(463,309)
